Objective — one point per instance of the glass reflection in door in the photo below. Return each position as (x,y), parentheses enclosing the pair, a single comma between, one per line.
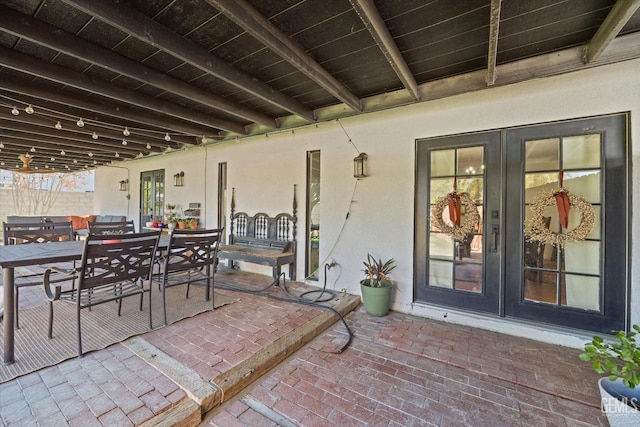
(564,276)
(456,264)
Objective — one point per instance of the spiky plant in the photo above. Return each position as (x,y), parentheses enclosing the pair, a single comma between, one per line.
(377,271)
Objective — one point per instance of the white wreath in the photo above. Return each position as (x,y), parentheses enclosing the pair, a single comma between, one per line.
(467,225)
(536,229)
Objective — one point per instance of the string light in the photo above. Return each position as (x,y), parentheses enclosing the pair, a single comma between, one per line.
(58,126)
(75,160)
(15,111)
(117,154)
(90,154)
(126,132)
(124,141)
(204,139)
(33,149)
(1,145)
(148,146)
(53,159)
(95,135)
(80,122)
(167,137)
(29,109)
(62,152)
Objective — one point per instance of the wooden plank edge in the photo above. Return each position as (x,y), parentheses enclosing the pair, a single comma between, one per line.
(246,372)
(185,413)
(201,391)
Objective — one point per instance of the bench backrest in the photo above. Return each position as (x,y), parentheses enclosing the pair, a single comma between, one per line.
(20,233)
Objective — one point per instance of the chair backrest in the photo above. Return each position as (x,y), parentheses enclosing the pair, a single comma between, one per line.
(108,259)
(19,233)
(189,249)
(119,227)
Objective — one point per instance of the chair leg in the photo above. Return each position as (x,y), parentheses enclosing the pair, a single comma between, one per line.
(15,307)
(79,332)
(150,316)
(164,302)
(50,331)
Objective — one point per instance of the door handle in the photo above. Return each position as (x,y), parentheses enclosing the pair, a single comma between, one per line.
(495,235)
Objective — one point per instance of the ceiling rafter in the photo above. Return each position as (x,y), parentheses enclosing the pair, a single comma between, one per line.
(494,29)
(47,35)
(375,24)
(133,22)
(253,22)
(95,104)
(73,138)
(50,71)
(613,23)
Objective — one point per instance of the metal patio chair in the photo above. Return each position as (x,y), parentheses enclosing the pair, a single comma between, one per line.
(190,258)
(112,268)
(24,233)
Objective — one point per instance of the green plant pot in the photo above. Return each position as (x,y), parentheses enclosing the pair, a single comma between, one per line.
(377,300)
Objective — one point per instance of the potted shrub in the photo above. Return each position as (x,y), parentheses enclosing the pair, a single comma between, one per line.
(376,287)
(620,389)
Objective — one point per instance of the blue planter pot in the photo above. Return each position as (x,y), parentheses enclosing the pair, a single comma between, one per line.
(614,398)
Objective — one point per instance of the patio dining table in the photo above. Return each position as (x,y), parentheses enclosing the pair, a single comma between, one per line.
(12,256)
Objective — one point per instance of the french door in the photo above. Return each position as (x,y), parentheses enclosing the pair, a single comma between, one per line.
(151,196)
(499,267)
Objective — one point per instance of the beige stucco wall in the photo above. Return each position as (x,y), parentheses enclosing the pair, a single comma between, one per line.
(380,207)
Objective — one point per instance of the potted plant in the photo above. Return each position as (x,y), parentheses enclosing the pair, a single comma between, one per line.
(620,389)
(376,287)
(182,223)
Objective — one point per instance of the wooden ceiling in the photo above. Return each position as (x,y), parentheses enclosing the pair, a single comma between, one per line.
(175,71)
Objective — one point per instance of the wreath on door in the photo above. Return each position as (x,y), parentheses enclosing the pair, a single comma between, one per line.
(536,229)
(460,228)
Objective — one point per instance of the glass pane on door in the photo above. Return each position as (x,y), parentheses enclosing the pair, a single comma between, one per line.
(574,163)
(456,263)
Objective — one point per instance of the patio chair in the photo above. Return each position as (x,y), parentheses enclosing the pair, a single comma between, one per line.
(29,232)
(191,258)
(120,227)
(111,269)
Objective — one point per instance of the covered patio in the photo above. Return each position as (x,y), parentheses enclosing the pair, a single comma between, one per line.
(260,361)
(177,105)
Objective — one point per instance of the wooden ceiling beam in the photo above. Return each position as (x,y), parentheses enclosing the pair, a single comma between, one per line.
(119,15)
(47,35)
(620,13)
(47,70)
(36,140)
(254,23)
(38,126)
(371,18)
(494,29)
(100,105)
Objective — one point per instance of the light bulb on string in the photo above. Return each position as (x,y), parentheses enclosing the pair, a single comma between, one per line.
(90,154)
(1,145)
(148,146)
(28,109)
(126,132)
(124,141)
(58,126)
(117,154)
(95,162)
(95,135)
(75,160)
(62,152)
(15,111)
(204,139)
(53,159)
(167,137)
(80,122)
(33,149)
(140,155)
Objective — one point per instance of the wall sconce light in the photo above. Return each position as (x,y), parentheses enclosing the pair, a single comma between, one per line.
(124,185)
(178,179)
(359,166)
